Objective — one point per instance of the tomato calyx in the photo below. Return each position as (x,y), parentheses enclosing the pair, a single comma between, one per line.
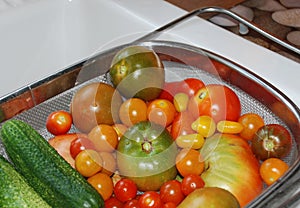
(147,146)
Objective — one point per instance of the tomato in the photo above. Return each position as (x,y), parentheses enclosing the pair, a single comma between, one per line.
(150,199)
(103,184)
(204,125)
(251,122)
(217,101)
(133,111)
(190,183)
(230,164)
(190,86)
(181,101)
(109,163)
(133,203)
(79,144)
(146,154)
(125,190)
(113,202)
(59,122)
(189,161)
(169,205)
(271,140)
(229,127)
(169,90)
(120,129)
(182,124)
(88,162)
(170,191)
(161,111)
(104,138)
(272,169)
(137,71)
(194,141)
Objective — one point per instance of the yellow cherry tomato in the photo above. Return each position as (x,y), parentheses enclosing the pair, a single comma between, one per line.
(204,125)
(180,101)
(229,127)
(194,141)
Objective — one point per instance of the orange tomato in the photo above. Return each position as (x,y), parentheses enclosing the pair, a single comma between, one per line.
(104,137)
(272,169)
(161,111)
(133,111)
(88,162)
(189,161)
(251,122)
(103,184)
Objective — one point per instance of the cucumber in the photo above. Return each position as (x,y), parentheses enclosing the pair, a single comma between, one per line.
(14,191)
(45,170)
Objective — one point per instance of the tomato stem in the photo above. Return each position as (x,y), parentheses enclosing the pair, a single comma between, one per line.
(147,146)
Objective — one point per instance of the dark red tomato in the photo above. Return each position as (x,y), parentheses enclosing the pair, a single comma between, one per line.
(190,86)
(215,100)
(170,191)
(133,203)
(271,140)
(169,90)
(190,183)
(150,199)
(182,124)
(59,122)
(79,144)
(169,205)
(113,202)
(125,190)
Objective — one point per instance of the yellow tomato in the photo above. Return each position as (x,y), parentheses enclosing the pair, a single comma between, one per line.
(229,127)
(194,141)
(204,125)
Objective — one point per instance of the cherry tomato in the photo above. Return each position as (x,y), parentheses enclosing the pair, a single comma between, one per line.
(59,122)
(189,161)
(103,184)
(204,125)
(190,86)
(104,137)
(79,144)
(194,141)
(170,191)
(113,202)
(109,164)
(229,127)
(169,90)
(251,122)
(191,182)
(169,205)
(133,203)
(125,190)
(88,162)
(217,101)
(271,140)
(150,199)
(161,111)
(182,124)
(272,169)
(133,111)
(181,101)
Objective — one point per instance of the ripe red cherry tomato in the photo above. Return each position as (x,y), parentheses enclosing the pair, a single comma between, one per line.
(125,190)
(79,144)
(190,183)
(113,202)
(190,86)
(170,191)
(59,122)
(133,203)
(150,199)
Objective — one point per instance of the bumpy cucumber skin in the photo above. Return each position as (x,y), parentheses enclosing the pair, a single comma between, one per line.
(14,191)
(45,170)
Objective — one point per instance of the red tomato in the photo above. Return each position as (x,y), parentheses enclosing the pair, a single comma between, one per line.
(191,182)
(150,199)
(190,86)
(215,100)
(79,144)
(133,203)
(169,205)
(113,202)
(182,124)
(168,91)
(125,190)
(170,191)
(59,122)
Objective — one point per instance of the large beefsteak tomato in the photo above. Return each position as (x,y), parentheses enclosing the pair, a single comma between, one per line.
(230,164)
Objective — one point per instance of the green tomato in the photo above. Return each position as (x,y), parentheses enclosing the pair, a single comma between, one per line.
(137,71)
(146,154)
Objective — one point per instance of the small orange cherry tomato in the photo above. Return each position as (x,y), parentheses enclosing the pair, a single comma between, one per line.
(229,127)
(251,122)
(103,184)
(59,122)
(272,169)
(88,162)
(194,141)
(104,138)
(133,111)
(189,161)
(161,111)
(204,125)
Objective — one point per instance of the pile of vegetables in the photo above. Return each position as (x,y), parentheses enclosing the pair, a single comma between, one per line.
(144,142)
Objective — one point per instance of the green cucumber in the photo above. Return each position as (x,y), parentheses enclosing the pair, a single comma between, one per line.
(14,190)
(45,170)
